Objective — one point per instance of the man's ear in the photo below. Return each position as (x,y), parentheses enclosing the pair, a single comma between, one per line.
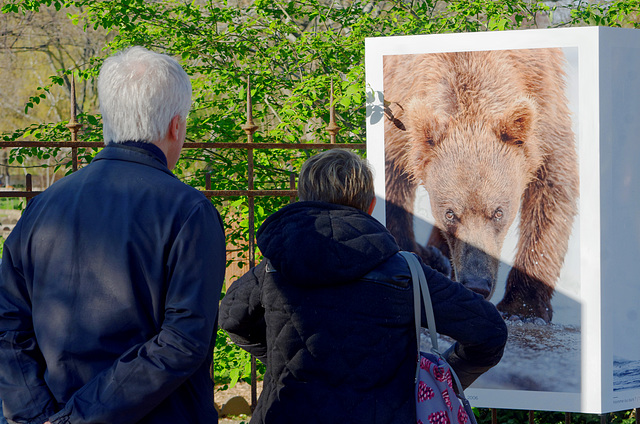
(174,127)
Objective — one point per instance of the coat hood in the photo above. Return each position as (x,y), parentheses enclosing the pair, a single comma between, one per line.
(317,243)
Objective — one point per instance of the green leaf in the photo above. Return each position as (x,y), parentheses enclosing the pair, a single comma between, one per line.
(234,375)
(92,119)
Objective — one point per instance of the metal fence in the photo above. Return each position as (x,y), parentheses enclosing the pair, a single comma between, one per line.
(250,192)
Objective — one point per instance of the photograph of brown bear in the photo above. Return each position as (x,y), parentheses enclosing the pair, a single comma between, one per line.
(488,134)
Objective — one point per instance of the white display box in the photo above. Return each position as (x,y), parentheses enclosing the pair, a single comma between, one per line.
(588,358)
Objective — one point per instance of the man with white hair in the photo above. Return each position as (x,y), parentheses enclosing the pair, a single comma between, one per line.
(110,281)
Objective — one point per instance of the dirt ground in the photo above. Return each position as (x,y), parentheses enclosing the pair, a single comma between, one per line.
(8,219)
(222,398)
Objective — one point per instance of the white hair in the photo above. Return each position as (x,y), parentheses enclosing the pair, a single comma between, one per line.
(140,92)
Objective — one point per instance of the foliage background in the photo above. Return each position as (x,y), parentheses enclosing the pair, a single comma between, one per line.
(292,51)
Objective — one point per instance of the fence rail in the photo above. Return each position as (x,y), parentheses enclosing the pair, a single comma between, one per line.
(251,193)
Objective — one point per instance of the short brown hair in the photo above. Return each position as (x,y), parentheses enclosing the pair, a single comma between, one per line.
(337,176)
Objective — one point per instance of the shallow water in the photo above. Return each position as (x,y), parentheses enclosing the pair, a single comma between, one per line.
(626,374)
(537,357)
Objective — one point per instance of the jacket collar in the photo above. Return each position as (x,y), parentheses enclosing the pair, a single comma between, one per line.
(144,153)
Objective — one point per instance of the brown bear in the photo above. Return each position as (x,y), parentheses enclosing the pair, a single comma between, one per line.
(488,134)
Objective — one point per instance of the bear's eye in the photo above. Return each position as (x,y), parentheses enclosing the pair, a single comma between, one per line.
(498,214)
(449,215)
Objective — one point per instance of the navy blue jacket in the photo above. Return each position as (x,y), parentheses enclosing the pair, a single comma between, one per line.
(109,290)
(330,313)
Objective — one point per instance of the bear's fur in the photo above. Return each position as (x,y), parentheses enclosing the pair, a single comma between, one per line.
(488,134)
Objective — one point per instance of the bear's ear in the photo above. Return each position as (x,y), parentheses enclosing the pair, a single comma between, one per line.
(517,124)
(422,122)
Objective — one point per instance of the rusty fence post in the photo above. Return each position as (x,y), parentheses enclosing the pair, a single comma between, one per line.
(250,128)
(567,418)
(494,416)
(292,182)
(332,128)
(29,186)
(74,126)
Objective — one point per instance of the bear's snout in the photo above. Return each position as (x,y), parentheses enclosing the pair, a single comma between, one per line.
(474,267)
(482,286)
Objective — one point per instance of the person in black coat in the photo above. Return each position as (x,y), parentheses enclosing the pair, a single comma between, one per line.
(329,310)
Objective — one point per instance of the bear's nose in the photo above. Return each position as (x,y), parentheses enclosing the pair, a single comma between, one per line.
(482,286)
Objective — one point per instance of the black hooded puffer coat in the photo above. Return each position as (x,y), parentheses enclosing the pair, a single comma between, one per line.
(330,313)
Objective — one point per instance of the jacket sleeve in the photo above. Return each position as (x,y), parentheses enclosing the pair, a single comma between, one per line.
(474,323)
(242,313)
(23,390)
(146,374)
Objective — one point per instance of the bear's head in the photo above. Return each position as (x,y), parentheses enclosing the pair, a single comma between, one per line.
(475,163)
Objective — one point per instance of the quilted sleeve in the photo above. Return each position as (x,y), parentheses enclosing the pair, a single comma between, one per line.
(475,324)
(242,313)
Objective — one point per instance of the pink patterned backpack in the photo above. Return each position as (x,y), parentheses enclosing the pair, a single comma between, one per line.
(436,400)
